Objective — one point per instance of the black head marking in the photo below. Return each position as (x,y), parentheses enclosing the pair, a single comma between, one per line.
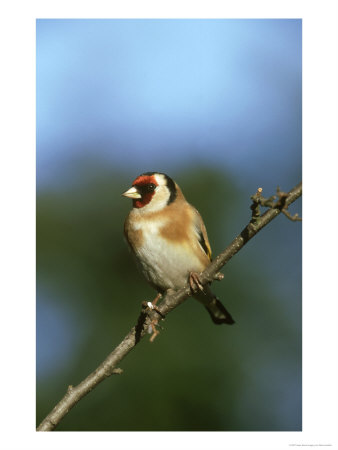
(146,188)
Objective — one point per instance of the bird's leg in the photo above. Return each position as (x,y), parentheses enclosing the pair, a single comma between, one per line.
(152,305)
(156,299)
(194,282)
(153,330)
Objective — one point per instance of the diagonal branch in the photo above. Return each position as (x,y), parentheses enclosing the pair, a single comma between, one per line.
(171,300)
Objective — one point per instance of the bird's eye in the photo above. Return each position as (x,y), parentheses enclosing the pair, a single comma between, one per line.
(146,188)
(150,187)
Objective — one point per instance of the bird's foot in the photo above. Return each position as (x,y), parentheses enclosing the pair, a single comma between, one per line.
(195,283)
(156,299)
(151,306)
(153,330)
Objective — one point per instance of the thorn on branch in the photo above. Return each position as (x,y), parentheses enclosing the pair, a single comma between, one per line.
(268,202)
(112,371)
(294,218)
(218,276)
(282,196)
(256,213)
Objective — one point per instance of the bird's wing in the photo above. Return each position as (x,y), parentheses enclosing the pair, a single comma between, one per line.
(202,235)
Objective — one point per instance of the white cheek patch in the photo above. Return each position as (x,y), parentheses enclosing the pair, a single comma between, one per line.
(159,200)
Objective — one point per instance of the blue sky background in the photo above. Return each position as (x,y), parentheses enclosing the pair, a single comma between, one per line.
(142,94)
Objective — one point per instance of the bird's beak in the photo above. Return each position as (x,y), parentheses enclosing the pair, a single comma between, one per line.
(132,193)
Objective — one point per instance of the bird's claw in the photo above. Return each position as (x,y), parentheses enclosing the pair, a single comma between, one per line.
(152,305)
(195,283)
(153,330)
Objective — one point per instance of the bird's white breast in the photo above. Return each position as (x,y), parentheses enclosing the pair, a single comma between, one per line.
(165,263)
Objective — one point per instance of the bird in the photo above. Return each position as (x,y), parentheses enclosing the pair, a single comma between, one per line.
(169,240)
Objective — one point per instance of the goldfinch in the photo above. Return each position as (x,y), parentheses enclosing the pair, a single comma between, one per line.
(169,239)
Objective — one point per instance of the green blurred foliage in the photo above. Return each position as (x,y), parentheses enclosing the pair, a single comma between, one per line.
(195,375)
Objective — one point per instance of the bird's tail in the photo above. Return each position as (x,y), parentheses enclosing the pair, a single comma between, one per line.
(218,313)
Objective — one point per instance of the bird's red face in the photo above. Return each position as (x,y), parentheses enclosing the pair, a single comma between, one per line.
(142,190)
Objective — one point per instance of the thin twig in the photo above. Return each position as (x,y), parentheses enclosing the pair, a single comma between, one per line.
(172,299)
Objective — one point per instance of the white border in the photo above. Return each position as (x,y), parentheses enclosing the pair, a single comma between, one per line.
(18,221)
